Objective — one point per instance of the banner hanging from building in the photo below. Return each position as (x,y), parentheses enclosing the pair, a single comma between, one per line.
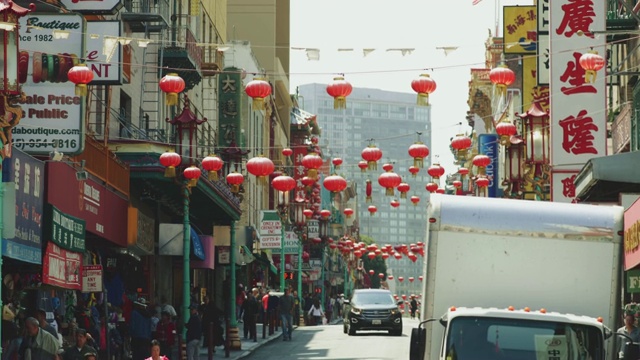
(520,25)
(28,176)
(488,145)
(62,268)
(230,90)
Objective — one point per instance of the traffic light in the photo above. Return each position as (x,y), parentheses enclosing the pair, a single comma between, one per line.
(288,275)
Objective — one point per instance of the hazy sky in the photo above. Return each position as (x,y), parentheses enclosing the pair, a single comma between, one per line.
(424,25)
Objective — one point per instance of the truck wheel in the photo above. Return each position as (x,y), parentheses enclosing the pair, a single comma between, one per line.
(416,351)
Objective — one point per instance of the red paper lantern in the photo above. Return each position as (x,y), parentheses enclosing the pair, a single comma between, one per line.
(371,255)
(389,181)
(368,190)
(404,189)
(312,162)
(235,179)
(372,210)
(212,164)
(308,213)
(287,152)
(81,75)
(192,173)
(336,163)
(387,167)
(424,86)
(363,166)
(307,181)
(395,203)
(435,171)
(348,212)
(397,255)
(335,183)
(418,151)
(385,256)
(506,129)
(482,182)
(357,254)
(339,89)
(415,200)
(502,77)
(461,143)
(381,275)
(481,161)
(431,187)
(325,214)
(401,279)
(457,184)
(261,167)
(414,170)
(316,240)
(463,171)
(171,85)
(283,183)
(371,272)
(170,160)
(258,89)
(390,277)
(371,154)
(333,246)
(411,278)
(591,62)
(440,191)
(420,277)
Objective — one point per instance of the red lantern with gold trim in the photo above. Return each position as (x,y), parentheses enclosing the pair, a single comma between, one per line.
(414,170)
(212,164)
(258,89)
(283,183)
(80,75)
(389,181)
(372,209)
(395,203)
(170,160)
(418,151)
(336,163)
(481,161)
(312,162)
(404,188)
(431,187)
(502,77)
(235,179)
(435,171)
(371,154)
(415,200)
(192,174)
(506,129)
(591,62)
(348,212)
(261,167)
(423,85)
(368,190)
(172,85)
(335,183)
(339,89)
(461,143)
(363,166)
(287,152)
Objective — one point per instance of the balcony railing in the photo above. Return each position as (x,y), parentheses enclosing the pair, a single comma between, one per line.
(115,173)
(619,16)
(146,15)
(621,129)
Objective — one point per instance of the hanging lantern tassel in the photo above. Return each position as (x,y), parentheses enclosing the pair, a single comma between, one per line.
(372,165)
(340,102)
(312,173)
(418,162)
(403,195)
(81,89)
(171,99)
(170,172)
(502,89)
(590,76)
(423,99)
(369,199)
(212,175)
(262,180)
(235,188)
(389,192)
(258,103)
(192,182)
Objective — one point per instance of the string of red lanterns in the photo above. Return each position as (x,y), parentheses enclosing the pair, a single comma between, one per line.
(502,77)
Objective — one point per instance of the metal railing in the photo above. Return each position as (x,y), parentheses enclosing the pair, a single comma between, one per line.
(616,10)
(160,7)
(621,129)
(114,174)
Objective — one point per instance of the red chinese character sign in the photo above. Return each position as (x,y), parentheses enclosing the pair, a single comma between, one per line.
(578,122)
(299,171)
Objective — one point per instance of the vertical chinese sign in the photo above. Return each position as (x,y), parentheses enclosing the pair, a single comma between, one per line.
(299,171)
(578,120)
(230,92)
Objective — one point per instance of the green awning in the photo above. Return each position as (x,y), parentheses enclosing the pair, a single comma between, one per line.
(273,268)
(264,261)
(603,178)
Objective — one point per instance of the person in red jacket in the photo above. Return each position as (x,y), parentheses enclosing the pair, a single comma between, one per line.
(166,333)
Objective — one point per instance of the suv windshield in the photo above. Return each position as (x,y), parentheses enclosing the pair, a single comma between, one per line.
(373,298)
(480,338)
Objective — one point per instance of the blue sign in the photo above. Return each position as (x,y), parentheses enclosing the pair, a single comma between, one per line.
(196,244)
(28,175)
(488,145)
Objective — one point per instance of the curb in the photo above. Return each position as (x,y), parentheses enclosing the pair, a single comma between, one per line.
(266,341)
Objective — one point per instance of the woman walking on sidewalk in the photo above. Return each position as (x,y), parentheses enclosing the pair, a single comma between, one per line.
(316,312)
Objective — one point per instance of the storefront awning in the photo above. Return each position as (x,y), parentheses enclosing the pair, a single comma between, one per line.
(264,260)
(604,178)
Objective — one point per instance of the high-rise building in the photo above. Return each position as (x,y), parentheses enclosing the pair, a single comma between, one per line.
(393,122)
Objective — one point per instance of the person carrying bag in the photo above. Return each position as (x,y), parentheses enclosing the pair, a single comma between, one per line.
(316,312)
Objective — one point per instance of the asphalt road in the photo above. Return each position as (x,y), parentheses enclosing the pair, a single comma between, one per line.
(330,342)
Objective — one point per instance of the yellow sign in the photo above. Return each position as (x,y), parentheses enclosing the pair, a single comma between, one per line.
(520,29)
(529,80)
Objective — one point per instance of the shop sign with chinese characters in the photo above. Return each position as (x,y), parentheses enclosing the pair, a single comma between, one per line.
(563,185)
(230,108)
(299,171)
(92,278)
(66,231)
(520,29)
(62,268)
(578,116)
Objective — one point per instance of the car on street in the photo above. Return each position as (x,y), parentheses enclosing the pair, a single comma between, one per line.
(372,309)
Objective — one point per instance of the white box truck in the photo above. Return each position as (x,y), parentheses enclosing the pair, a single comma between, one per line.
(519,280)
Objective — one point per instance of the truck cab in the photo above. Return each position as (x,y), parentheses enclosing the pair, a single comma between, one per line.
(515,334)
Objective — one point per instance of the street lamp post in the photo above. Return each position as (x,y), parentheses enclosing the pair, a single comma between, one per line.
(186,133)
(324,233)
(300,220)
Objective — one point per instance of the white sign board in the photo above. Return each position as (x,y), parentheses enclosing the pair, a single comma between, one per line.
(270,223)
(313,229)
(563,186)
(92,278)
(291,243)
(543,59)
(578,116)
(104,73)
(53,113)
(551,347)
(270,241)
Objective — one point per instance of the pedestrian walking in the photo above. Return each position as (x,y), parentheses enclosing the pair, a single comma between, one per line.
(629,329)
(165,334)
(194,333)
(140,330)
(316,312)
(413,306)
(78,350)
(156,351)
(296,308)
(37,344)
(285,305)
(250,311)
(240,298)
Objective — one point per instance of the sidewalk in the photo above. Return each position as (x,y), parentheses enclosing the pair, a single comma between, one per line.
(248,345)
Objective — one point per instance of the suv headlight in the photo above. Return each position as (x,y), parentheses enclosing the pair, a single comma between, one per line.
(356,311)
(394,311)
